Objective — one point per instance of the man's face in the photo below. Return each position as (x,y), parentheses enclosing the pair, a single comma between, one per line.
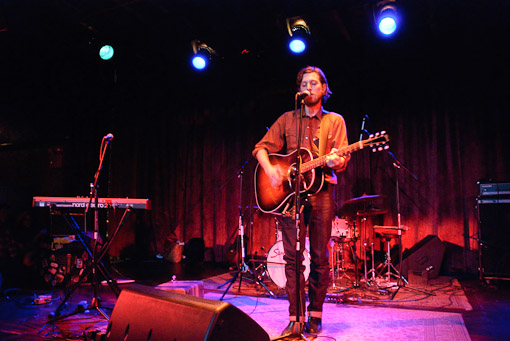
(311,82)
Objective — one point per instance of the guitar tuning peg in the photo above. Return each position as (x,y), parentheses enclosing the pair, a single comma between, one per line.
(371,135)
(380,148)
(386,147)
(374,150)
(383,132)
(377,134)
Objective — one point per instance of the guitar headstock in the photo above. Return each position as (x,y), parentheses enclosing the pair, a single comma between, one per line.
(377,141)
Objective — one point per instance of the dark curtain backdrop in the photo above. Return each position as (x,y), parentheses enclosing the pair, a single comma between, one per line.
(188,158)
(183,139)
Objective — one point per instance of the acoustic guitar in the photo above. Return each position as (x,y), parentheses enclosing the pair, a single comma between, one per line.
(278,200)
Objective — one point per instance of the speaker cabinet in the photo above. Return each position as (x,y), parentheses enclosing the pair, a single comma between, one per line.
(494,218)
(145,313)
(426,255)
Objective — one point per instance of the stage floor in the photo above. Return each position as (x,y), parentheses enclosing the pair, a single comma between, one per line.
(447,308)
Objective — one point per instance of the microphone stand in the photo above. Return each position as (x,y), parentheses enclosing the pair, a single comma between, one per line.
(94,254)
(297,213)
(96,301)
(243,267)
(401,281)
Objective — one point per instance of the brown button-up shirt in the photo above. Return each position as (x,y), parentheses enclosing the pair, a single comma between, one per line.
(283,135)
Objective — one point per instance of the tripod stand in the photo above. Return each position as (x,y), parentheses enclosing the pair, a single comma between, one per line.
(95,255)
(338,270)
(401,281)
(243,268)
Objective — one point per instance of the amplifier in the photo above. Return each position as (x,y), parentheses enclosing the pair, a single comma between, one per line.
(493,189)
(493,201)
(494,219)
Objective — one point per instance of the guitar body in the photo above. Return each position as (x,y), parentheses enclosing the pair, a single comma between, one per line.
(276,200)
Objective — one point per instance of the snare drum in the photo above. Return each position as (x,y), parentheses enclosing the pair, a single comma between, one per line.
(340,228)
(276,264)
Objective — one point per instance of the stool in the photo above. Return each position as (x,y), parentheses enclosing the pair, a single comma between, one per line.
(388,265)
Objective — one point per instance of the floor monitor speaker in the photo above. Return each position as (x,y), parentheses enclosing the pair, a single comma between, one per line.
(426,255)
(145,313)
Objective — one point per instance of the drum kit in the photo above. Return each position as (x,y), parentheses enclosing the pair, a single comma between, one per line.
(351,242)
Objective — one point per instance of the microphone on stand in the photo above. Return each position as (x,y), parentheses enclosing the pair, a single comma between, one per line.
(108,137)
(303,94)
(365,118)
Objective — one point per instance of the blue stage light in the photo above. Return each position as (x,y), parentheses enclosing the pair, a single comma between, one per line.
(297,45)
(199,62)
(387,19)
(387,25)
(202,55)
(106,52)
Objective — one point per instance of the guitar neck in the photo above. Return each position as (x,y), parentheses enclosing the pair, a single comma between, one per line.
(320,161)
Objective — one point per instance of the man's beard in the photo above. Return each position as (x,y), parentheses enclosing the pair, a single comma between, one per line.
(312,100)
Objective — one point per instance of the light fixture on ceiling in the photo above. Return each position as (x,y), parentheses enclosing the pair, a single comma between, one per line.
(299,33)
(202,54)
(386,17)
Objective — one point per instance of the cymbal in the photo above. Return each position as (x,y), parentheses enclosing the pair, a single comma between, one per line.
(371,212)
(361,199)
(352,213)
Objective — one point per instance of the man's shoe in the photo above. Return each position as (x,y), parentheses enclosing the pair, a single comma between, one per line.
(314,325)
(293,329)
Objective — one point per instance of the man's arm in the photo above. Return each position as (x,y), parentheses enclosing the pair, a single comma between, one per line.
(275,173)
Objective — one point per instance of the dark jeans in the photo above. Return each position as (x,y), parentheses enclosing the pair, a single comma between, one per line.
(317,215)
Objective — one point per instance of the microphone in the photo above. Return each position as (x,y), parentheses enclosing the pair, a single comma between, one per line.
(363,127)
(108,137)
(303,94)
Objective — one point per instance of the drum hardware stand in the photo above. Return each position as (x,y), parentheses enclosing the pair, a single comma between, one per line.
(356,283)
(387,264)
(372,253)
(401,281)
(337,269)
(96,257)
(243,267)
(372,280)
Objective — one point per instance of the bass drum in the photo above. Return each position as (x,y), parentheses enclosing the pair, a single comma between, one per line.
(276,264)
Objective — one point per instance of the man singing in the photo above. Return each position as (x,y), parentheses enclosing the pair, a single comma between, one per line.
(318,212)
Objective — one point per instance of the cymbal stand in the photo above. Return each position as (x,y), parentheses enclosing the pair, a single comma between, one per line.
(401,281)
(243,267)
(364,220)
(355,258)
(365,246)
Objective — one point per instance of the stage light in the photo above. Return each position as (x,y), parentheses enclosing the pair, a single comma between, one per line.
(202,55)
(106,52)
(386,17)
(299,33)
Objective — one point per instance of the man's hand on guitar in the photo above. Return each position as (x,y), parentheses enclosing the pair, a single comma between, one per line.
(335,161)
(276,175)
